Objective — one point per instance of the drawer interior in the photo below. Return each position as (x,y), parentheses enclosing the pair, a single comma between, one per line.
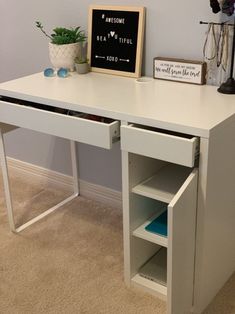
(57,110)
(158,130)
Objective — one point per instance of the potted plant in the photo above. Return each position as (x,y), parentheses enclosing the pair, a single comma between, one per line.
(65,45)
(81,65)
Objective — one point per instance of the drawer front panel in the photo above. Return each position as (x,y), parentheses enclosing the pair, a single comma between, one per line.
(69,127)
(159,145)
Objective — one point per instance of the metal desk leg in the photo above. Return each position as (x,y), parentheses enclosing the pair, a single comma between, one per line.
(50,210)
(6,183)
(74,159)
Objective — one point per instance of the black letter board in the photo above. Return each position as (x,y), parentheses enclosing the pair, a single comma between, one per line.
(115,39)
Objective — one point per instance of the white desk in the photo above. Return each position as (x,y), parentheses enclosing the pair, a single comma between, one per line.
(156,166)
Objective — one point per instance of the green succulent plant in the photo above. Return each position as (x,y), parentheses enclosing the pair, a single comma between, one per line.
(80,60)
(62,35)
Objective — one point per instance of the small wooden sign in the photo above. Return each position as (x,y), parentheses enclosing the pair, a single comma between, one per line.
(179,70)
(115,39)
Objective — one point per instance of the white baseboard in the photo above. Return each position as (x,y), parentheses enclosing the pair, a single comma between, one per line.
(45,176)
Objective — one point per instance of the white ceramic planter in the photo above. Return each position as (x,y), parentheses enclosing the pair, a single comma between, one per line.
(62,56)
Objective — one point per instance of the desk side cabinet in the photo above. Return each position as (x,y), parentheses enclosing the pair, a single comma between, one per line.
(160,185)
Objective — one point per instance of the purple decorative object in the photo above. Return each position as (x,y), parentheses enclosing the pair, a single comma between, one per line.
(228,7)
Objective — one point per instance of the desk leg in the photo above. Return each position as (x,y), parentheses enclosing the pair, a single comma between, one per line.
(8,193)
(6,183)
(74,167)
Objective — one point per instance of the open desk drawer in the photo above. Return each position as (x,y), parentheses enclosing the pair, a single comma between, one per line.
(160,144)
(70,127)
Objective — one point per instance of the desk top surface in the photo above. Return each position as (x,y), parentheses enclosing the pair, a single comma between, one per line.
(181,107)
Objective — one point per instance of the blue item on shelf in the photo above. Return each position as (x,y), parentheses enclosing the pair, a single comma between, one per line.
(158,225)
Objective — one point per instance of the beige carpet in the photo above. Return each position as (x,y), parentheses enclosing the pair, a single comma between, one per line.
(72,261)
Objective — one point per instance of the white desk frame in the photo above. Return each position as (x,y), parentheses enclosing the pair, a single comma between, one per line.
(6,183)
(194,110)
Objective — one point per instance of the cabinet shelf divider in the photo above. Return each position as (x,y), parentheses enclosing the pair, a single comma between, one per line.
(164,184)
(140,232)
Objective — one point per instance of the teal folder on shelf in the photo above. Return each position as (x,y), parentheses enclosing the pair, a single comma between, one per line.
(158,225)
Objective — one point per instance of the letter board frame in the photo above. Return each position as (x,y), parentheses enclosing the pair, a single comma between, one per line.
(115,39)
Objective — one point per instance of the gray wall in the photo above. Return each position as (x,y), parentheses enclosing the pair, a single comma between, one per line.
(172,30)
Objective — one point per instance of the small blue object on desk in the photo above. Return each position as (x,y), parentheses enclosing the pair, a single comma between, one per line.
(62,72)
(158,225)
(49,72)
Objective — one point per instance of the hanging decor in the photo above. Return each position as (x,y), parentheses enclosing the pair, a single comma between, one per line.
(219,47)
(226,6)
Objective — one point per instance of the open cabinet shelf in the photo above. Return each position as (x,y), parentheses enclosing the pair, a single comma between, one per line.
(150,286)
(160,200)
(142,233)
(152,275)
(164,184)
